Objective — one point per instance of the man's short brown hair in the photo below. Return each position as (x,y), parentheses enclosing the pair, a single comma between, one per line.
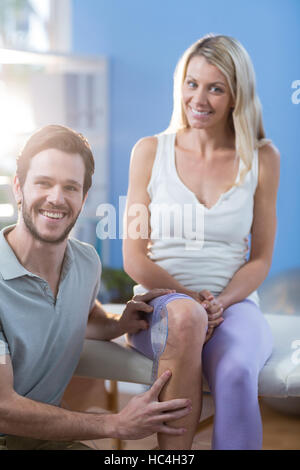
(60,138)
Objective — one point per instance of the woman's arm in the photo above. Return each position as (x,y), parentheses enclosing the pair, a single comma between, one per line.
(136,262)
(250,276)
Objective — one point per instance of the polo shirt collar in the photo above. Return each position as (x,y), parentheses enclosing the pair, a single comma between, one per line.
(68,260)
(10,266)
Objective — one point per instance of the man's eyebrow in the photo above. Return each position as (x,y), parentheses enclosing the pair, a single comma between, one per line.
(74,182)
(68,181)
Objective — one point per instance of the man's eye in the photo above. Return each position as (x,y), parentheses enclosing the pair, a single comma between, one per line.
(42,183)
(71,188)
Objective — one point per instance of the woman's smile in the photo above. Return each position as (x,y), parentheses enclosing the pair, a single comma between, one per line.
(199,113)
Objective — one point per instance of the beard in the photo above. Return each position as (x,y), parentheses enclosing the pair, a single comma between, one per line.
(37,236)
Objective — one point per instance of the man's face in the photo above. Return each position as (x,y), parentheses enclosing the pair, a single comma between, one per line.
(52,195)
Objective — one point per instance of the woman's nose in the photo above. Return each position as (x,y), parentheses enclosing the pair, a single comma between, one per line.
(200,97)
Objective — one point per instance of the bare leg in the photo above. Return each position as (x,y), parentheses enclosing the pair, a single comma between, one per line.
(187,323)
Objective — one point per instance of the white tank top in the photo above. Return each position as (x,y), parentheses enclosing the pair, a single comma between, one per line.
(200,247)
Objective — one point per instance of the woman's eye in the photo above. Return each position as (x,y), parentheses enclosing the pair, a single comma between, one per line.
(71,188)
(216,89)
(191,84)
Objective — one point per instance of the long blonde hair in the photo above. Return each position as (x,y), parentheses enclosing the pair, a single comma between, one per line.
(233,61)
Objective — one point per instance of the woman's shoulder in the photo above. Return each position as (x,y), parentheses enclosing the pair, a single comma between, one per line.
(269,162)
(142,160)
(144,151)
(146,144)
(268,153)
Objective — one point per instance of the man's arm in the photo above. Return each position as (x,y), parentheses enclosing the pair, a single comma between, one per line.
(143,415)
(101,324)
(25,417)
(106,326)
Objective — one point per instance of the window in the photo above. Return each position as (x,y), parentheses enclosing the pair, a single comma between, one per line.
(39,25)
(29,31)
(42,83)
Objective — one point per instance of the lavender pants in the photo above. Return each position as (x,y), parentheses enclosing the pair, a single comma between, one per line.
(231,362)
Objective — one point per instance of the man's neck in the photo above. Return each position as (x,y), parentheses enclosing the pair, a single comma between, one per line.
(40,258)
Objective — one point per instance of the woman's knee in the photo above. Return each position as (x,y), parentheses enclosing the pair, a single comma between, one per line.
(237,374)
(187,321)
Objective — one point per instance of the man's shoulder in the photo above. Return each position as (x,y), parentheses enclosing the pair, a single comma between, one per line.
(84,252)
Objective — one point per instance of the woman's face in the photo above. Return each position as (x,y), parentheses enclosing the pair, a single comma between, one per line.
(206,95)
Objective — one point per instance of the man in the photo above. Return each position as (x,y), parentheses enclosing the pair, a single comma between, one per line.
(48,289)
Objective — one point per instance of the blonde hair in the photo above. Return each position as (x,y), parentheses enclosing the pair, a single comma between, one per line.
(233,61)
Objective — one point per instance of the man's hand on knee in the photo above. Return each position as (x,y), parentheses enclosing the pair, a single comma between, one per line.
(134,317)
(145,415)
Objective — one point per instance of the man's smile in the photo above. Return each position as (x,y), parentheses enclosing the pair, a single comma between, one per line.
(57,215)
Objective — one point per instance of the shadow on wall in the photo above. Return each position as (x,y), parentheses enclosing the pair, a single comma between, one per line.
(281,293)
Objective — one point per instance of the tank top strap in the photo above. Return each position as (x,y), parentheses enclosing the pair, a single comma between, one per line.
(254,169)
(252,175)
(162,162)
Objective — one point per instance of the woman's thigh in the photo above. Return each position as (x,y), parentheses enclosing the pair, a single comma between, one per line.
(244,338)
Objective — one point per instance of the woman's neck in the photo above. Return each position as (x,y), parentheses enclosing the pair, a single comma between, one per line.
(206,142)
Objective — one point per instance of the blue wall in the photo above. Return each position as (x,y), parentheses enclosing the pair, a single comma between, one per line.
(144,39)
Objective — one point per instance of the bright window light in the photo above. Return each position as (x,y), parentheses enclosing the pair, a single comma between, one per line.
(25,24)
(6,210)
(38,31)
(15,115)
(16,118)
(16,122)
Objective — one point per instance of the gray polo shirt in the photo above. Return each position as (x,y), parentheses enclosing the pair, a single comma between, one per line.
(43,335)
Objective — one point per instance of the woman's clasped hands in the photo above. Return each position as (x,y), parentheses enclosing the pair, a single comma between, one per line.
(214,310)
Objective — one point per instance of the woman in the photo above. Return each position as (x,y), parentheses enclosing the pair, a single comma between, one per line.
(213,157)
